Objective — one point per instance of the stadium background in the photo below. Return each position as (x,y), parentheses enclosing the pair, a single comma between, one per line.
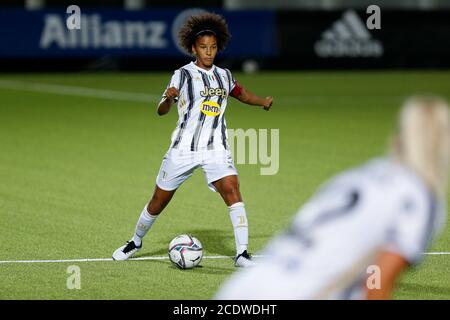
(80,141)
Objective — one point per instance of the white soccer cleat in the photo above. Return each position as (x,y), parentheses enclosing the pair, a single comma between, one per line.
(126,251)
(244,260)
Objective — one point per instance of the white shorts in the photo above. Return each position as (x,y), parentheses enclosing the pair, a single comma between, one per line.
(179,165)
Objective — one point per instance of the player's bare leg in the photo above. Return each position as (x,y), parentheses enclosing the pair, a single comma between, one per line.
(228,187)
(158,202)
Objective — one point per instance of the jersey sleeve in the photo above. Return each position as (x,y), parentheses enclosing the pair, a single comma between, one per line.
(413,228)
(231,79)
(175,81)
(235,88)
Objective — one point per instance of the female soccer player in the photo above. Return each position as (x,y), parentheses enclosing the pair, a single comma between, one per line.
(354,238)
(201,90)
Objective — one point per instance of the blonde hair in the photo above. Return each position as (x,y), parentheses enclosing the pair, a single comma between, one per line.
(423,140)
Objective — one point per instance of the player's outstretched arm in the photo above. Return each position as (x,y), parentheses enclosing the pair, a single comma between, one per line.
(165,104)
(391,266)
(248,97)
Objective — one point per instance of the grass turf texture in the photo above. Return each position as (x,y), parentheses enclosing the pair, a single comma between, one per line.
(75,172)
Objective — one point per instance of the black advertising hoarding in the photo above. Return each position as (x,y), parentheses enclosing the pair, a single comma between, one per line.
(341,39)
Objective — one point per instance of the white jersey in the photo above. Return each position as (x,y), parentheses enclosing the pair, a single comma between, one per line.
(202,101)
(335,237)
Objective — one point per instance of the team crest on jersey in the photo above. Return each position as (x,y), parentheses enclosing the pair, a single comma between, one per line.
(210,108)
(210,92)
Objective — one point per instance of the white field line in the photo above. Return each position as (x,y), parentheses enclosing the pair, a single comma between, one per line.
(109,259)
(147,258)
(437,253)
(78,91)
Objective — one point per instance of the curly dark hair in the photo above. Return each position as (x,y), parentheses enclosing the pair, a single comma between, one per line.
(203,24)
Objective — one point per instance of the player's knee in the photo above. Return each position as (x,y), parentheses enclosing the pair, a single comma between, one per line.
(231,192)
(155,206)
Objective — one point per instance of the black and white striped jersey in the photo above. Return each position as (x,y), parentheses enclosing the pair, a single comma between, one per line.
(201,107)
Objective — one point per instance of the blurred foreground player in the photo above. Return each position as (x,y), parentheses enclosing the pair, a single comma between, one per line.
(383,215)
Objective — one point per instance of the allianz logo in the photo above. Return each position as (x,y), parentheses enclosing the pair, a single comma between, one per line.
(98,34)
(348,37)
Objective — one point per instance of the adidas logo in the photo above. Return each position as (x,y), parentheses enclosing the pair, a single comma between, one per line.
(348,37)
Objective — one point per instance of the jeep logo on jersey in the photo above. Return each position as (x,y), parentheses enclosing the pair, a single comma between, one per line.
(213,92)
(210,108)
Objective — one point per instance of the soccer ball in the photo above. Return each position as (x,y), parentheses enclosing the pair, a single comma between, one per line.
(185,251)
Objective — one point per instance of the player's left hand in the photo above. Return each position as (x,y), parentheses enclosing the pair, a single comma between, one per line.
(268,103)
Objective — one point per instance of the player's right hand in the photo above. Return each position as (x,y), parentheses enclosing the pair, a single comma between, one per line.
(172,93)
(268,103)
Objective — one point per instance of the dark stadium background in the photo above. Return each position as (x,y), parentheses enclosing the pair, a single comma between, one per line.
(81,144)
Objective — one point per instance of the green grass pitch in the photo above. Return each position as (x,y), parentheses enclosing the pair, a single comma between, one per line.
(75,172)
